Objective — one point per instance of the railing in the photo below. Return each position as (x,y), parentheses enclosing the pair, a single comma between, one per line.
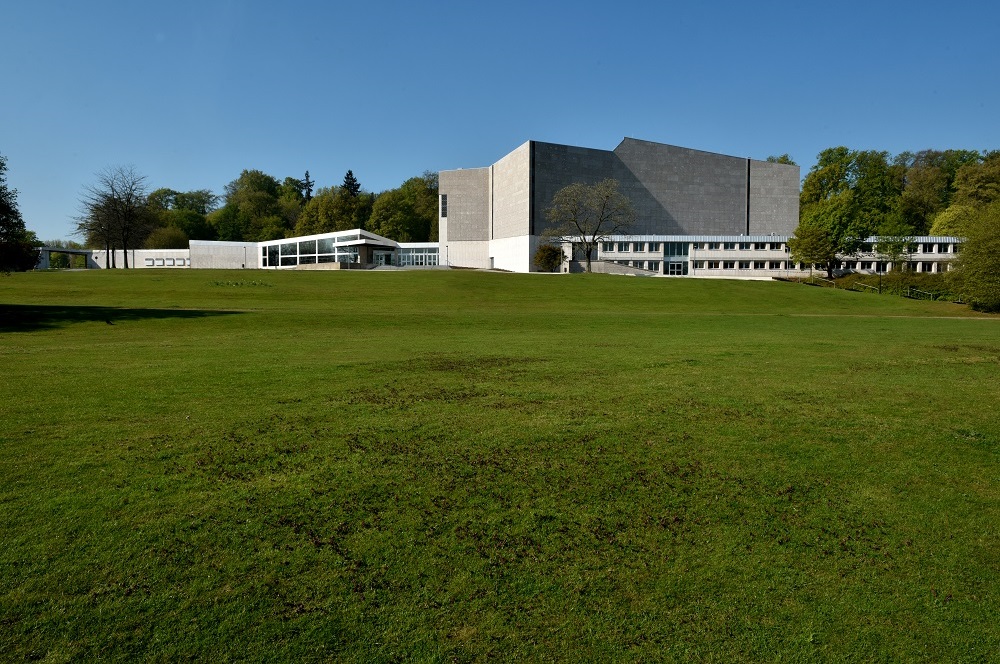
(873,288)
(920,294)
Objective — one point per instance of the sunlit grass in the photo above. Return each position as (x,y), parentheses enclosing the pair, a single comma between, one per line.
(457,465)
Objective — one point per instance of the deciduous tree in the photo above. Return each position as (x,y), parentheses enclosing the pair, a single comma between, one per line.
(977,272)
(588,215)
(18,250)
(813,244)
(115,210)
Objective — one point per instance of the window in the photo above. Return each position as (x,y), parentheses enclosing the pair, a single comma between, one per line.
(623,246)
(776,246)
(760,265)
(712,246)
(713,265)
(728,265)
(746,246)
(676,248)
(170,262)
(654,246)
(744,265)
(149,262)
(159,262)
(288,249)
(729,246)
(638,246)
(608,247)
(676,269)
(775,265)
(699,265)
(307,247)
(324,245)
(272,255)
(444,206)
(654,266)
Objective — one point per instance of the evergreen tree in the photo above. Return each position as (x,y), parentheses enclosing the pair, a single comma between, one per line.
(351,184)
(307,187)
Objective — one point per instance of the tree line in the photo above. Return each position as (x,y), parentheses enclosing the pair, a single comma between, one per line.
(850,195)
(118,211)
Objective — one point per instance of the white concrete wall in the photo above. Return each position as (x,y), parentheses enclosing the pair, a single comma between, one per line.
(465,254)
(137,258)
(514,253)
(225,255)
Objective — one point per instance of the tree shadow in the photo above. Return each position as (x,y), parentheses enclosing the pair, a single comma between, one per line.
(33,317)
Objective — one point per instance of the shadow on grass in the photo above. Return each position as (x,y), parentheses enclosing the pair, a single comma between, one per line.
(31,317)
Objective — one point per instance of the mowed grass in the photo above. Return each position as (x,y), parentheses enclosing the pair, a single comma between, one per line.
(460,466)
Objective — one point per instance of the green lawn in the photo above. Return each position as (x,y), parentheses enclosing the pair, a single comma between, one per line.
(465,466)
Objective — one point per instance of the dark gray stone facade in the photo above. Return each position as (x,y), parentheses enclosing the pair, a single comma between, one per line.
(674,190)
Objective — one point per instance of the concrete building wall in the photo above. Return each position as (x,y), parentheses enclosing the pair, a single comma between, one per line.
(681,191)
(468,205)
(514,253)
(557,166)
(142,258)
(224,255)
(467,253)
(511,194)
(774,198)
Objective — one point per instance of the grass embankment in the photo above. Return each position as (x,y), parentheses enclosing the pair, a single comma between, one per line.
(454,465)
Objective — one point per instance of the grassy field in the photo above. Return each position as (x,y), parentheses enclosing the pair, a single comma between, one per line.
(463,466)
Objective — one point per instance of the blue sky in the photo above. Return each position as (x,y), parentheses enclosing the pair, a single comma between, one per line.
(191,93)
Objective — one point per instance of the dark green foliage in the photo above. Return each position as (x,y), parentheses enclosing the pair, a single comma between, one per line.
(17,243)
(978,267)
(409,213)
(351,184)
(548,258)
(813,244)
(257,208)
(334,209)
(781,159)
(167,237)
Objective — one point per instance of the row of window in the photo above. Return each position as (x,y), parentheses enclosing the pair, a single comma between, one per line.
(921,248)
(167,262)
(681,248)
(744,265)
(642,265)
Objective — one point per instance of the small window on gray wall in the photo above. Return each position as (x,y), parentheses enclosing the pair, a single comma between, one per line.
(444,205)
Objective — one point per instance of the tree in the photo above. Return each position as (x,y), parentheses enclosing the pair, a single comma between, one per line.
(852,193)
(409,212)
(952,221)
(977,270)
(17,244)
(781,159)
(115,209)
(307,187)
(589,214)
(813,244)
(548,258)
(351,184)
(978,183)
(253,211)
(167,237)
(335,209)
(894,245)
(394,217)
